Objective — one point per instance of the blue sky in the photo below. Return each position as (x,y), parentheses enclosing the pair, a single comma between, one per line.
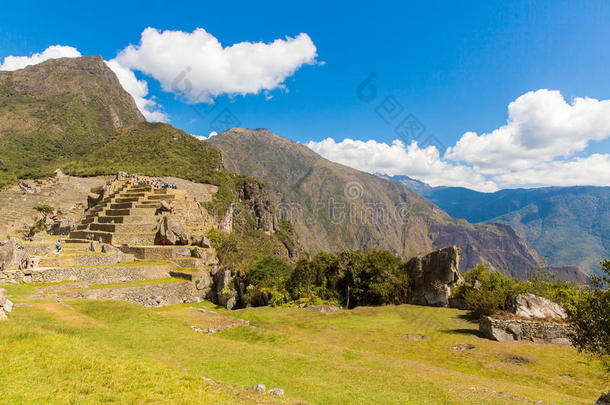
(455,66)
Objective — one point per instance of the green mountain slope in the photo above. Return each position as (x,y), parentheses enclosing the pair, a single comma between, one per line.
(58,111)
(334,207)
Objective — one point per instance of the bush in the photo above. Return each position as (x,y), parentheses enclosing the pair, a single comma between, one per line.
(590,317)
(487,291)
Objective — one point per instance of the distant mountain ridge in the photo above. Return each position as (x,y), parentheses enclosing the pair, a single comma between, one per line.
(568,226)
(305,186)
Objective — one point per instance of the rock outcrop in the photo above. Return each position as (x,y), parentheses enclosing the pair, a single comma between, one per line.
(170,230)
(433,277)
(11,253)
(530,306)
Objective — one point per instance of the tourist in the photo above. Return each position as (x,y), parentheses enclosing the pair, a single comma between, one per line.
(2,265)
(58,246)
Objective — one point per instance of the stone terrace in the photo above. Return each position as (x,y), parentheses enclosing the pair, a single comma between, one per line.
(129,264)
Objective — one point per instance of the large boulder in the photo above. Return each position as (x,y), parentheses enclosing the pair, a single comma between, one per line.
(11,253)
(530,306)
(434,276)
(172,231)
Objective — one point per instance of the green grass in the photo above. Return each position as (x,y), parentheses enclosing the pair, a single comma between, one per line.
(95,351)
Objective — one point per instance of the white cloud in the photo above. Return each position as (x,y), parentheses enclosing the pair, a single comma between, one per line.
(541,127)
(420,163)
(537,146)
(52,52)
(138,90)
(591,170)
(197,67)
(203,137)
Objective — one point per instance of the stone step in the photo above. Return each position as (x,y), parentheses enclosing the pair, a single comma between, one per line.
(158,252)
(173,253)
(189,262)
(127,219)
(121,206)
(119,200)
(132,227)
(161,197)
(91,236)
(116,273)
(172,292)
(82,259)
(129,211)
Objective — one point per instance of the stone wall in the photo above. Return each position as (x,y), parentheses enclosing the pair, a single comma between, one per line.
(511,330)
(152,295)
(92,275)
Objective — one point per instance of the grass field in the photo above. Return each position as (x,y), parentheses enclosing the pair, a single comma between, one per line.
(81,351)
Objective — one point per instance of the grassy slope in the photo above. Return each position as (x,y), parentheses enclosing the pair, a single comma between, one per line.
(93,351)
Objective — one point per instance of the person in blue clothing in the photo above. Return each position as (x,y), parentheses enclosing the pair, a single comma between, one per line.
(58,246)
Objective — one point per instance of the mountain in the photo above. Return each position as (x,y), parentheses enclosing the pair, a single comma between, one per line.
(568,226)
(57,111)
(334,207)
(72,113)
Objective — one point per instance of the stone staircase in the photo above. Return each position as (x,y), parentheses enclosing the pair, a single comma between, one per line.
(129,264)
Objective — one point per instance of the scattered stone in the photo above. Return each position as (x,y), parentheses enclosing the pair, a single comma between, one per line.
(276,391)
(415,337)
(208,379)
(515,358)
(8,306)
(3,298)
(466,346)
(324,308)
(530,306)
(259,388)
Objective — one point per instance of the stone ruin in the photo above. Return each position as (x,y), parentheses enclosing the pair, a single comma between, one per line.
(532,318)
(152,240)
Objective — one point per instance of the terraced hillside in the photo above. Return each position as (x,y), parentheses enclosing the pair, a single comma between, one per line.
(114,253)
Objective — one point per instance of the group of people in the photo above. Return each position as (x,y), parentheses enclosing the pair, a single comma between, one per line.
(155,182)
(27,263)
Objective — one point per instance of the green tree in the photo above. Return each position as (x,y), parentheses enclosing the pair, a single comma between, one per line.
(590,317)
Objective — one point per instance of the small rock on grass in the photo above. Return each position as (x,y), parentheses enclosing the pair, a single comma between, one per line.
(259,388)
(276,391)
(466,346)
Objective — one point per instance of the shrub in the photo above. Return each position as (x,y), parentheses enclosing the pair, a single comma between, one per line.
(487,291)
(590,317)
